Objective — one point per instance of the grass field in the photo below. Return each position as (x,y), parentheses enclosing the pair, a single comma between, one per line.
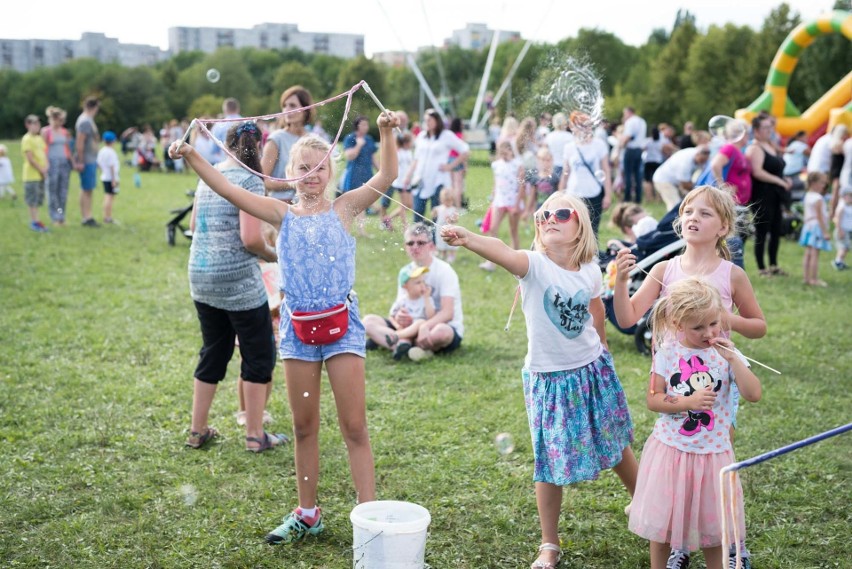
(99,339)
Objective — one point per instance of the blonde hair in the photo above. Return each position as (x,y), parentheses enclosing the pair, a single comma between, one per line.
(686,299)
(723,203)
(446,195)
(3,150)
(309,142)
(585,248)
(559,121)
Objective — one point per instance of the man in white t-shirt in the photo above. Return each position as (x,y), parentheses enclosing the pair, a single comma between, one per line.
(673,179)
(820,158)
(440,334)
(633,141)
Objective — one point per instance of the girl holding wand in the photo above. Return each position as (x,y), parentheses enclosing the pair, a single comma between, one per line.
(577,411)
(706,219)
(676,504)
(316,254)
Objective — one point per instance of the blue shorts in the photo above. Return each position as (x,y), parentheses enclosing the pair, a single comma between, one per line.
(88,177)
(353,342)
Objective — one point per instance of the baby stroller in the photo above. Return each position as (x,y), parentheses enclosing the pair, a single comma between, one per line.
(659,245)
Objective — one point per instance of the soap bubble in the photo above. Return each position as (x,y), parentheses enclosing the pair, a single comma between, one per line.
(600,176)
(213,75)
(504,443)
(732,130)
(189,494)
(575,89)
(306,394)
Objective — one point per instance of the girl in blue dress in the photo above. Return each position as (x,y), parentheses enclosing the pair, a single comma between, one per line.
(577,411)
(316,254)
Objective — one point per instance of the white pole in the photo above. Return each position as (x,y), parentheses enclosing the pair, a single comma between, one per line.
(508,80)
(425,86)
(495,39)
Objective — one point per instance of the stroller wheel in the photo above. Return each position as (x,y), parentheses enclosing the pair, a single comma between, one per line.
(642,337)
(170,234)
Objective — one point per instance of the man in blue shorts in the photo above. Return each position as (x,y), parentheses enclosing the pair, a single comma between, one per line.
(86,157)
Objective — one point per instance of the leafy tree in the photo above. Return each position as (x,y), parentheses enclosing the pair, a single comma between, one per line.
(665,79)
(611,57)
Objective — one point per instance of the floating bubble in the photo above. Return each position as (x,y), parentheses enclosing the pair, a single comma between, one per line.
(504,443)
(600,176)
(575,89)
(213,75)
(731,129)
(189,494)
(331,259)
(306,394)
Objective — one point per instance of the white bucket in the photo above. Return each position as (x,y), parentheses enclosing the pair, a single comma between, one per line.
(389,535)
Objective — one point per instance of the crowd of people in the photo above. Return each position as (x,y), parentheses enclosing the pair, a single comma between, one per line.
(298,217)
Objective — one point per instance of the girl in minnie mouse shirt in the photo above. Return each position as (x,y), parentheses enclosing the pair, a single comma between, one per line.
(676,504)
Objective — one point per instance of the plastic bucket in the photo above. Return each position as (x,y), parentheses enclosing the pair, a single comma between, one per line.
(389,535)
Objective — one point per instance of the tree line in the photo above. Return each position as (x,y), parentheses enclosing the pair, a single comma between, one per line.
(680,74)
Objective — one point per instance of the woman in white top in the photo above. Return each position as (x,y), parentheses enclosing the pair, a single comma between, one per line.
(586,174)
(557,140)
(431,168)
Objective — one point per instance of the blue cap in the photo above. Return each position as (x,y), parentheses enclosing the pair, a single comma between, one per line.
(109,136)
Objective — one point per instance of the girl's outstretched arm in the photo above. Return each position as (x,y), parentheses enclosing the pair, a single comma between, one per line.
(268,209)
(750,321)
(354,202)
(490,248)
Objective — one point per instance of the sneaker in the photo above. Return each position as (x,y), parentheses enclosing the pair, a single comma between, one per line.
(38,227)
(839,265)
(401,349)
(294,528)
(678,560)
(732,561)
(416,354)
(91,223)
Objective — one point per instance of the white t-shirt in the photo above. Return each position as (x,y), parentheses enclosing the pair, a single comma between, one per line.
(678,168)
(560,330)
(637,129)
(811,204)
(820,158)
(654,149)
(846,171)
(581,180)
(443,281)
(685,371)
(845,211)
(109,164)
(416,307)
(404,158)
(644,226)
(507,181)
(431,154)
(794,157)
(6,174)
(556,142)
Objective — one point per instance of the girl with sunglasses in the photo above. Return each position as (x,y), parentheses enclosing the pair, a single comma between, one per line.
(577,411)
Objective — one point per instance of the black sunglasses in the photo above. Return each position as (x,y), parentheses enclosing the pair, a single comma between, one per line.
(562,215)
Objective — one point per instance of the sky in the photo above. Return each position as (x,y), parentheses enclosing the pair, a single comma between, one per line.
(387,25)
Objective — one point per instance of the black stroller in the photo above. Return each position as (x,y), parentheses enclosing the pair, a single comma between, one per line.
(659,245)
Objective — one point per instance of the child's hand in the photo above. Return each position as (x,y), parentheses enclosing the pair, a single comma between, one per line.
(701,400)
(387,119)
(179,149)
(455,235)
(725,347)
(624,262)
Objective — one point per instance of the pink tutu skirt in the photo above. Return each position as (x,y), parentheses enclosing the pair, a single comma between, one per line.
(677,498)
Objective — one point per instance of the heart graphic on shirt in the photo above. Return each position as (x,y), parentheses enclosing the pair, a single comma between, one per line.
(568,313)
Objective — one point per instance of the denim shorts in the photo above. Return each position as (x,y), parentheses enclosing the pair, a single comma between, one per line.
(353,342)
(88,177)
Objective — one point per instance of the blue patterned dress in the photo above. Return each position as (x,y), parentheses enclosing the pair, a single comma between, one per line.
(316,256)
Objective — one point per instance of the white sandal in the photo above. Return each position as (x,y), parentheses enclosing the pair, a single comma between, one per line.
(546,565)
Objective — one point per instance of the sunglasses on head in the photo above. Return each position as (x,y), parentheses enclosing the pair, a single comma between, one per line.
(417,243)
(561,215)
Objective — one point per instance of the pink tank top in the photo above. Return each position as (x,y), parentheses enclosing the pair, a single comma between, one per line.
(720,278)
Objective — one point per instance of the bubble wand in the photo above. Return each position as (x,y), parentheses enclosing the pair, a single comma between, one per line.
(383,108)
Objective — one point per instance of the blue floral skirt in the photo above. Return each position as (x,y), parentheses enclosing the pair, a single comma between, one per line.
(579,421)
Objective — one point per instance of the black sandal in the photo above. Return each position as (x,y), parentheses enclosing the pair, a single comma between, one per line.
(268,442)
(198,440)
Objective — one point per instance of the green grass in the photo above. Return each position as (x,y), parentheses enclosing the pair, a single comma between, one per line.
(98,342)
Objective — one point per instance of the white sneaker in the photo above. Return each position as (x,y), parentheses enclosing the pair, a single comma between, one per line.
(416,354)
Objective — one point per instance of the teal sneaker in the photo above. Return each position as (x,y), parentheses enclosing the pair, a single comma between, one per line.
(295,528)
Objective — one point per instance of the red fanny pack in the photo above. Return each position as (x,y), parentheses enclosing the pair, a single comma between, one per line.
(323,327)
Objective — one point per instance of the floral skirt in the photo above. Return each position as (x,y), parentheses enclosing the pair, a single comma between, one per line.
(812,237)
(579,421)
(677,498)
